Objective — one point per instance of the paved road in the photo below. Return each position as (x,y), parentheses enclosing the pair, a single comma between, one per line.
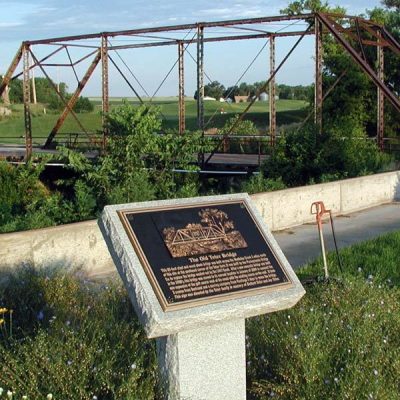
(301,244)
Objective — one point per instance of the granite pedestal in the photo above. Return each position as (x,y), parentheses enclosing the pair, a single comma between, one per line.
(201,348)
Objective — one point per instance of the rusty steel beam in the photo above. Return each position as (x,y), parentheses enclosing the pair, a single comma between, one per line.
(43,59)
(105,89)
(27,99)
(318,75)
(173,42)
(394,44)
(181,73)
(272,93)
(70,104)
(262,89)
(200,85)
(200,78)
(74,64)
(330,25)
(14,64)
(248,21)
(380,117)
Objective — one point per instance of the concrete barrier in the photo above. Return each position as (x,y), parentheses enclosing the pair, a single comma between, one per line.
(82,245)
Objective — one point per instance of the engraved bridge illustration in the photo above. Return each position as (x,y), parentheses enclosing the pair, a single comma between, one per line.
(215,232)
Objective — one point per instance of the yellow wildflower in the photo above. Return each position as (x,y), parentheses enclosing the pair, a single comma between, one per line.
(1,321)
(3,310)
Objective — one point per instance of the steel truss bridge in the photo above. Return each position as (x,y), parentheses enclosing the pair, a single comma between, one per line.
(354,34)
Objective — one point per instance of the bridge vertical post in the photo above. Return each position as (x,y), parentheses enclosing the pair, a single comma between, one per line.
(318,75)
(181,68)
(27,100)
(380,120)
(200,83)
(105,88)
(272,92)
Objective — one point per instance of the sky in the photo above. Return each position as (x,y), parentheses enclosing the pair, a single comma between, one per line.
(224,61)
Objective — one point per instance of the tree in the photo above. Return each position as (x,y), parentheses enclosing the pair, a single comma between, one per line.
(213,89)
(216,219)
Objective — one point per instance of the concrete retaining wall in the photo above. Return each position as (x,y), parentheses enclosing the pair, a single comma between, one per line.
(81,244)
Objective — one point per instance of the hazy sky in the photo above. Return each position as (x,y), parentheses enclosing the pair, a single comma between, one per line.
(225,62)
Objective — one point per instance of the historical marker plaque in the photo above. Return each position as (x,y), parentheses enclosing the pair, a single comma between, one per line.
(203,253)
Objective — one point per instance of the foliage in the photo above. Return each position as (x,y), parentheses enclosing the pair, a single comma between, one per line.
(341,151)
(258,184)
(355,94)
(217,90)
(213,89)
(83,104)
(139,163)
(240,127)
(340,341)
(77,339)
(298,92)
(26,203)
(45,92)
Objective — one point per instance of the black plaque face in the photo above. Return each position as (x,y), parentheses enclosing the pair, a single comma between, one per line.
(203,253)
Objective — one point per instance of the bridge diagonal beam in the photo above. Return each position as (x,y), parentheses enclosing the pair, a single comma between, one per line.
(330,26)
(69,104)
(14,64)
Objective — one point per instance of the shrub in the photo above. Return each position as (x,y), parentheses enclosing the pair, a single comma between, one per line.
(342,150)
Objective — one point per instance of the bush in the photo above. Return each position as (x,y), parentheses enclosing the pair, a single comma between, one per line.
(343,150)
(242,128)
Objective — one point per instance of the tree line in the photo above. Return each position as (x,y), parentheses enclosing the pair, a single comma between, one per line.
(217,90)
(45,94)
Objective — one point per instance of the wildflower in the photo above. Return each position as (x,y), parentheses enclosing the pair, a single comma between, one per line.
(359,269)
(133,366)
(336,380)
(49,396)
(69,362)
(25,397)
(1,391)
(3,310)
(9,394)
(375,372)
(1,321)
(94,398)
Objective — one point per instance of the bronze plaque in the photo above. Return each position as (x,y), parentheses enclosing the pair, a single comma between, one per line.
(203,253)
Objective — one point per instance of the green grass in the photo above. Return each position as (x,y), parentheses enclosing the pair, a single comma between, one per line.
(77,339)
(12,128)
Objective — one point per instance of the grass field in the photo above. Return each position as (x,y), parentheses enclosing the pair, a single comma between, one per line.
(80,340)
(12,128)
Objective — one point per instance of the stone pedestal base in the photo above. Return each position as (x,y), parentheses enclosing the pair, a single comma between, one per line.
(208,363)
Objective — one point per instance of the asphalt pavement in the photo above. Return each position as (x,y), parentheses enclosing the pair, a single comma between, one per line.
(301,244)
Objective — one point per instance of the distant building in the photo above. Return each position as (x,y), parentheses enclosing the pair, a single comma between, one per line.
(241,99)
(263,96)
